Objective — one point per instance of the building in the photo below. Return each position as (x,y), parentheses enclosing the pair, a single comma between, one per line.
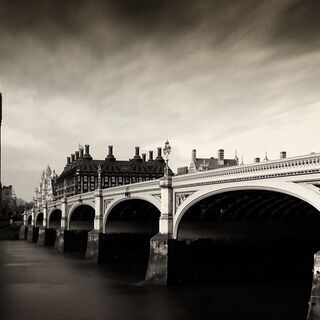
(8,201)
(81,172)
(202,164)
(45,190)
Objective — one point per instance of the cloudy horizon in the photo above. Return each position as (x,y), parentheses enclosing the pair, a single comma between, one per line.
(204,74)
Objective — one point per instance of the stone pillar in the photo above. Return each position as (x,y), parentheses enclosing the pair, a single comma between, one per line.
(62,232)
(95,237)
(161,257)
(24,227)
(32,234)
(166,218)
(25,219)
(64,213)
(43,229)
(314,304)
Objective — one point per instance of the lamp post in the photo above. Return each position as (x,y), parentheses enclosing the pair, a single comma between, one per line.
(166,152)
(99,171)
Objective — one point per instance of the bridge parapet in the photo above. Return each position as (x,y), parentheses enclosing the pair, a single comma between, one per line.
(277,168)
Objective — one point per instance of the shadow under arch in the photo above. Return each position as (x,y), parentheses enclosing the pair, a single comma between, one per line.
(253,236)
(54,219)
(39,220)
(129,226)
(80,223)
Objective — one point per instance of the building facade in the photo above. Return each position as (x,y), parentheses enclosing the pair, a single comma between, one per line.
(203,164)
(82,172)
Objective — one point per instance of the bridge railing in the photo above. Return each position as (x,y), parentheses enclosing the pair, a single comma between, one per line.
(288,166)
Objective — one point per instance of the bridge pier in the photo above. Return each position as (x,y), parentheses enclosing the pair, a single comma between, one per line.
(314,303)
(161,265)
(46,236)
(23,233)
(33,233)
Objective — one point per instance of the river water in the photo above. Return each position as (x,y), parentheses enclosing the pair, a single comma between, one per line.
(39,283)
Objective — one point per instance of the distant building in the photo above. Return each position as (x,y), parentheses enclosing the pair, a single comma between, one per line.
(80,174)
(202,164)
(45,190)
(8,203)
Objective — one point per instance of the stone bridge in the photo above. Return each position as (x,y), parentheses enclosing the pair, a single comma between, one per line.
(272,204)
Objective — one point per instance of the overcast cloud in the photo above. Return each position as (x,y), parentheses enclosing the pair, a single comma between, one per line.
(205,74)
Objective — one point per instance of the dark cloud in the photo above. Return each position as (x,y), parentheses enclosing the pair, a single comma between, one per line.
(204,74)
(299,23)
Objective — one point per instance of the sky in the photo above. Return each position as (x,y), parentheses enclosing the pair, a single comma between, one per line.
(238,75)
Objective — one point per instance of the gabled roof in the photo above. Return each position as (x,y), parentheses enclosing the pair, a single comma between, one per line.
(213,163)
(112,166)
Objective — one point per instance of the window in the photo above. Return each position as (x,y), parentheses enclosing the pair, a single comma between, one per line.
(92,178)
(120,179)
(85,179)
(133,179)
(113,179)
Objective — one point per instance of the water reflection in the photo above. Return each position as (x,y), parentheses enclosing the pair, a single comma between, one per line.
(38,283)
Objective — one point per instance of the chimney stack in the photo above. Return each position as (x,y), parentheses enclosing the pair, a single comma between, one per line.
(221,156)
(159,156)
(256,160)
(110,155)
(136,155)
(193,155)
(86,147)
(144,157)
(283,154)
(72,157)
(150,155)
(81,153)
(77,154)
(68,160)
(86,152)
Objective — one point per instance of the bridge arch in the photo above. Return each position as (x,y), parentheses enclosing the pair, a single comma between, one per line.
(116,201)
(289,188)
(38,219)
(29,219)
(75,209)
(54,218)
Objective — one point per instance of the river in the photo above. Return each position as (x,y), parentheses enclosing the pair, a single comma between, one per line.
(37,283)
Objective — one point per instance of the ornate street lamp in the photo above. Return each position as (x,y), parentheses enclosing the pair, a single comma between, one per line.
(166,152)
(99,171)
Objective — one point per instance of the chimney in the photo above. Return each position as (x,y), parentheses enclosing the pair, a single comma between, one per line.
(136,154)
(68,160)
(159,156)
(86,152)
(81,153)
(256,160)
(77,154)
(144,156)
(283,154)
(150,155)
(72,157)
(110,155)
(221,156)
(193,155)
